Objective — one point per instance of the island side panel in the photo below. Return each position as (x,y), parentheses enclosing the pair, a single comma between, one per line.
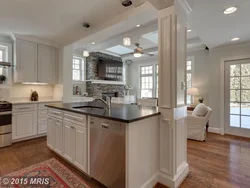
(142,153)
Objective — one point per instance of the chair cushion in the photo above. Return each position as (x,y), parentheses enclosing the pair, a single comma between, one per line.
(200,110)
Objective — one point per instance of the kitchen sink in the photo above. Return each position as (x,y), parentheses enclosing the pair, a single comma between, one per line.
(88,107)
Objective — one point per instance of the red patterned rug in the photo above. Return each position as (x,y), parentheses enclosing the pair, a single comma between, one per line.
(50,173)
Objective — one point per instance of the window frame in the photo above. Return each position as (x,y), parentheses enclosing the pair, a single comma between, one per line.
(154,80)
(82,69)
(190,58)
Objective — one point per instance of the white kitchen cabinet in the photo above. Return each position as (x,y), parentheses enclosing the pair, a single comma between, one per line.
(46,64)
(51,132)
(35,63)
(23,124)
(68,141)
(80,142)
(75,145)
(26,62)
(59,137)
(74,138)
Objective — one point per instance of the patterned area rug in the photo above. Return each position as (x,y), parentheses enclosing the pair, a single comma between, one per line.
(50,173)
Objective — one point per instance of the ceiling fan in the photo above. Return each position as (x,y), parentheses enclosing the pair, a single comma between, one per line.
(138,52)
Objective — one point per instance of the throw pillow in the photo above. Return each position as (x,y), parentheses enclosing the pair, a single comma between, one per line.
(200,110)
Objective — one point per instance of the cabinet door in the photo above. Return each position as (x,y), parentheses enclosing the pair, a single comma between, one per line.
(80,141)
(26,62)
(23,125)
(46,64)
(59,137)
(68,134)
(51,134)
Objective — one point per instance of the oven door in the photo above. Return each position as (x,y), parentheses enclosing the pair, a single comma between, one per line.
(5,129)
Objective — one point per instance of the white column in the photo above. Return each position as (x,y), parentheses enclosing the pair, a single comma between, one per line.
(67,57)
(172,97)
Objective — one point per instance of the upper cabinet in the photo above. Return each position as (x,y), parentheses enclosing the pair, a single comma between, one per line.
(35,63)
(26,62)
(46,64)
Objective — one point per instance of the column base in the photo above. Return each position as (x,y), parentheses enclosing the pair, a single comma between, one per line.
(175,182)
(167,180)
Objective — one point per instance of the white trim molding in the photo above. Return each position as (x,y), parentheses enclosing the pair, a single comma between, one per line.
(214,130)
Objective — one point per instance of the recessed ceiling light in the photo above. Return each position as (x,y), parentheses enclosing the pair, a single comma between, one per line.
(235,39)
(138,25)
(189,30)
(230,10)
(93,42)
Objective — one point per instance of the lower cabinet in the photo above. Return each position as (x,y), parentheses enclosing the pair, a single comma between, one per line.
(55,135)
(23,124)
(51,132)
(75,145)
(68,137)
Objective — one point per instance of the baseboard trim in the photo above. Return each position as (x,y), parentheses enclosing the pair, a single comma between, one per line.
(152,182)
(177,180)
(214,130)
(29,138)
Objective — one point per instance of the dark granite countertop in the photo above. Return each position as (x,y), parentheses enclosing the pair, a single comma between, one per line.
(118,112)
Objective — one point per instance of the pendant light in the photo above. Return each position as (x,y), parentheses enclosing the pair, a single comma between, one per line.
(126,41)
(85,53)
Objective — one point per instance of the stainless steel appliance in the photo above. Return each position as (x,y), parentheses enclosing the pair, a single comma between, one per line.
(107,152)
(5,123)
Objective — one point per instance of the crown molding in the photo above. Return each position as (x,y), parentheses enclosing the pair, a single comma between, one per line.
(185,6)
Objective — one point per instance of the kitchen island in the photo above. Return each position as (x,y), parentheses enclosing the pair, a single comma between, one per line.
(118,146)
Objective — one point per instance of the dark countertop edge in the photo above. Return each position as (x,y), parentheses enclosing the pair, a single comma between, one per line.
(106,117)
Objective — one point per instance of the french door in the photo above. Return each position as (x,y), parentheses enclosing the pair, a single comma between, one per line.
(237,97)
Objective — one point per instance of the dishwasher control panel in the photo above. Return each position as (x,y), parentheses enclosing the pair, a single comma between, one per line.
(107,124)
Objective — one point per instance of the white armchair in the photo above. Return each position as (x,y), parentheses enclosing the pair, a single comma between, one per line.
(196,125)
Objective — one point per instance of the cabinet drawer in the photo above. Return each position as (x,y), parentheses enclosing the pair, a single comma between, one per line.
(24,107)
(76,118)
(55,113)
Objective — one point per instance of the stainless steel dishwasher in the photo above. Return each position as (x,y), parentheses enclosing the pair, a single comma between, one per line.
(107,152)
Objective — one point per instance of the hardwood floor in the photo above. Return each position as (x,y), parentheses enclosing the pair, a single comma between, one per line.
(27,153)
(222,161)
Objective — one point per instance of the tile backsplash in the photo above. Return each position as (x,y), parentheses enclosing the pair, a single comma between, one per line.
(23,92)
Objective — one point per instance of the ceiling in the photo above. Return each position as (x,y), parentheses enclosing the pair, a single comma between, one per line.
(216,29)
(146,35)
(59,21)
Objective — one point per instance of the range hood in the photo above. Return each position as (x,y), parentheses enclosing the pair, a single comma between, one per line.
(5,64)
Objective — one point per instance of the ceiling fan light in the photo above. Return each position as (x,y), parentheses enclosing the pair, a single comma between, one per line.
(127,41)
(137,54)
(85,54)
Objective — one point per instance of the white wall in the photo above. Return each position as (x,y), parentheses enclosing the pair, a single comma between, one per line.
(208,73)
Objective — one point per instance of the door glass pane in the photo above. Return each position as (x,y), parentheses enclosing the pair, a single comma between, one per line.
(245,109)
(245,96)
(234,121)
(235,70)
(234,108)
(245,83)
(235,95)
(235,83)
(245,122)
(245,70)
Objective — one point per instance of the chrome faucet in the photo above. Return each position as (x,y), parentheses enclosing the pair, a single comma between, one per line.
(107,102)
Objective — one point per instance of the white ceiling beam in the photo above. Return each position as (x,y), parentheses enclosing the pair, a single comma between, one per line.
(161,4)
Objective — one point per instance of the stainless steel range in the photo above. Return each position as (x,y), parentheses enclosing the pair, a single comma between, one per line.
(5,123)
